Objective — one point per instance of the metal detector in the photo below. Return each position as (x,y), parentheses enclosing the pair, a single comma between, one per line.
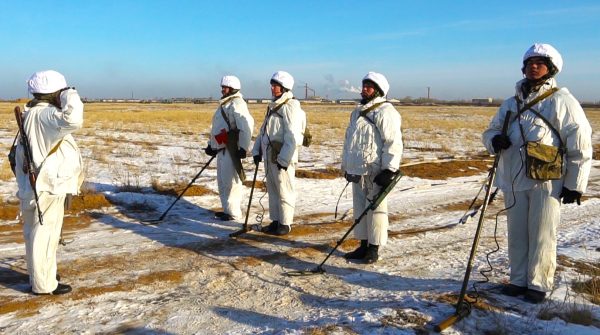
(245,228)
(463,307)
(372,206)
(155,221)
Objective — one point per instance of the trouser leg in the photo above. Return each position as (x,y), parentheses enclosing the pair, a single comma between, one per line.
(287,193)
(374,225)
(271,172)
(42,241)
(230,185)
(544,216)
(518,241)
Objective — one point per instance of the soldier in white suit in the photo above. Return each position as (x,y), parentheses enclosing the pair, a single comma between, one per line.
(49,119)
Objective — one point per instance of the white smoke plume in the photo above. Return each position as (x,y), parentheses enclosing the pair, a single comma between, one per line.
(345,86)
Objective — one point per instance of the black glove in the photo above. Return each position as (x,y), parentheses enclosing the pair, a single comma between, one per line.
(569,197)
(384,178)
(352,178)
(242,153)
(257,159)
(210,151)
(500,142)
(281,167)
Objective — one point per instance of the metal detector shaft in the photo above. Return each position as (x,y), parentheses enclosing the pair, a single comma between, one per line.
(462,310)
(245,226)
(183,192)
(29,161)
(372,206)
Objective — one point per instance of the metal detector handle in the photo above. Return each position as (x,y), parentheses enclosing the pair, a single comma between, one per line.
(383,193)
(185,189)
(462,307)
(245,226)
(372,206)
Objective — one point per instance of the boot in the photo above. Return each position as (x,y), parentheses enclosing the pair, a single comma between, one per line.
(512,290)
(60,289)
(282,229)
(271,227)
(372,255)
(360,252)
(226,217)
(535,296)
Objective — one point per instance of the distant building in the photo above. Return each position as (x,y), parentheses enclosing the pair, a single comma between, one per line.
(482,101)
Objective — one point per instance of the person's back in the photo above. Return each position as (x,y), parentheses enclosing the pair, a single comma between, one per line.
(49,119)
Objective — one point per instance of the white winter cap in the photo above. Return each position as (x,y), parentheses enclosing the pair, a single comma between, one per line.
(46,82)
(231,81)
(546,51)
(284,79)
(380,80)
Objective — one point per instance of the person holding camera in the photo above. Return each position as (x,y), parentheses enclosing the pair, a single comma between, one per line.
(230,136)
(545,156)
(370,160)
(49,118)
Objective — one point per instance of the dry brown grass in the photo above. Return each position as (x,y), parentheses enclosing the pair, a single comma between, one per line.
(6,173)
(175,189)
(325,173)
(447,170)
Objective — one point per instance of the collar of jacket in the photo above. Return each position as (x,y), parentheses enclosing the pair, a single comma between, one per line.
(550,83)
(281,99)
(230,98)
(371,103)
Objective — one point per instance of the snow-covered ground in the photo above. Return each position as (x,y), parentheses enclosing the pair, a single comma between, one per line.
(185,275)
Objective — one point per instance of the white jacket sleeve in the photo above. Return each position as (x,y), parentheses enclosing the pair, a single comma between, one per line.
(244,123)
(289,135)
(495,126)
(389,124)
(576,132)
(70,118)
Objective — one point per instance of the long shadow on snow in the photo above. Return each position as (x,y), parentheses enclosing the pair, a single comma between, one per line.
(12,279)
(268,323)
(193,228)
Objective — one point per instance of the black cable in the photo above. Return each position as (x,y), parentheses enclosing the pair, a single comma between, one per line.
(490,268)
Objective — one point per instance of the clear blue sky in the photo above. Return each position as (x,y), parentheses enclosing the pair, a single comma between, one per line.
(461,49)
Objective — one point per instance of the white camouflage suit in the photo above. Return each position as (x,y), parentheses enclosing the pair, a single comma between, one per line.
(533,205)
(60,173)
(228,180)
(284,127)
(372,144)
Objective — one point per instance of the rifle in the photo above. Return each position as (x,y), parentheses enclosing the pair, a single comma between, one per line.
(29,166)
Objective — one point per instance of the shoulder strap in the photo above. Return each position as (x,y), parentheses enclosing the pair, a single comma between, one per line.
(366,111)
(537,114)
(223,111)
(278,107)
(536,100)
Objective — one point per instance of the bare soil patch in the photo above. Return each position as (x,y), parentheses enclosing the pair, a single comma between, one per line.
(445,170)
(325,173)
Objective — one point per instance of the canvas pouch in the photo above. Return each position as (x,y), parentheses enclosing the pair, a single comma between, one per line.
(543,162)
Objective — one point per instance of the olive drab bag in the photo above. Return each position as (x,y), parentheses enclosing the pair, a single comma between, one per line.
(307,138)
(542,161)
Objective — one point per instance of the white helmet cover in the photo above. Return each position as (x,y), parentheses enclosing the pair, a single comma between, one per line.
(48,81)
(380,80)
(231,81)
(284,79)
(546,51)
